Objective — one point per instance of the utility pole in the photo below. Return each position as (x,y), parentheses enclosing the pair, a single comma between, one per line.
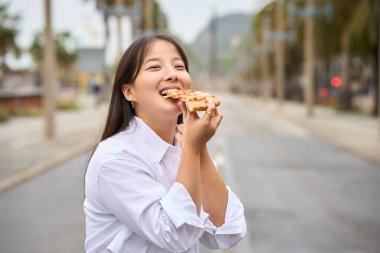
(309,61)
(280,49)
(48,75)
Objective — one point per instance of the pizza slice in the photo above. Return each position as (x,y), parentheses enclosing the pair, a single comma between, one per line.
(194,100)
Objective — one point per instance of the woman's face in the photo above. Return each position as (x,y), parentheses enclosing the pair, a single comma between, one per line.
(163,68)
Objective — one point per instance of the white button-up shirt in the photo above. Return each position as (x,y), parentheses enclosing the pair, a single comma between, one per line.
(133,203)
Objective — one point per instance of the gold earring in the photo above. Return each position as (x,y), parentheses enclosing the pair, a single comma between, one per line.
(133,106)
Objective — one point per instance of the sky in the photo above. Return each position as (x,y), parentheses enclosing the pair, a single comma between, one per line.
(186,18)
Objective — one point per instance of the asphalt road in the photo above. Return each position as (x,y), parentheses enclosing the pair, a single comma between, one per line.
(45,214)
(300,193)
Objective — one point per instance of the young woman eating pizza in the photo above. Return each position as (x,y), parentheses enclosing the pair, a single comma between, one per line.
(151,185)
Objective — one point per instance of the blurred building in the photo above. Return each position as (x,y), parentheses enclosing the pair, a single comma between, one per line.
(90,62)
(20,92)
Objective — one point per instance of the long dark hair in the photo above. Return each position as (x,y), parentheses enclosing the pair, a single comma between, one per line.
(120,111)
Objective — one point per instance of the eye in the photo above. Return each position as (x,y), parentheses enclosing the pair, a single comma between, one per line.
(179,66)
(154,67)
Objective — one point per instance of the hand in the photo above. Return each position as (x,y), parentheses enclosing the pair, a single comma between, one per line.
(197,131)
(179,134)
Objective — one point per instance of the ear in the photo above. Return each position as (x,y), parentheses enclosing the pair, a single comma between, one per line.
(128,92)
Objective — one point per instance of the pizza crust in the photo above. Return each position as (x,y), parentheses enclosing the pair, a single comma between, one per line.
(200,105)
(195,100)
(196,106)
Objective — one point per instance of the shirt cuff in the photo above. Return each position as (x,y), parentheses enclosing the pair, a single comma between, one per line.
(234,221)
(180,208)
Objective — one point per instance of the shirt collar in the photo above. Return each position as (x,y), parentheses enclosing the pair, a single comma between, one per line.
(154,145)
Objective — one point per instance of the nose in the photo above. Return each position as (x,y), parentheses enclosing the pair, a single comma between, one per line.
(171,75)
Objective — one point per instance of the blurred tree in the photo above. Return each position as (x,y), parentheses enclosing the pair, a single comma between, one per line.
(152,16)
(8,34)
(344,30)
(36,49)
(263,25)
(351,31)
(65,53)
(363,28)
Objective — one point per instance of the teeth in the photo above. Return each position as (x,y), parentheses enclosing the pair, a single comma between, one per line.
(165,92)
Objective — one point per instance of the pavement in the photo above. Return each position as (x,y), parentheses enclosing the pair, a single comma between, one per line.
(353,132)
(26,153)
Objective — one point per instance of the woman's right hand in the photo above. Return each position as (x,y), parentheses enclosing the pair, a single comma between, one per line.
(197,131)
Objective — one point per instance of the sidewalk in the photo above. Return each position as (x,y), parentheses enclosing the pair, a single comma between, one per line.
(353,132)
(25,153)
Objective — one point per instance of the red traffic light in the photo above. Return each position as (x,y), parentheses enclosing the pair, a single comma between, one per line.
(336,82)
(323,92)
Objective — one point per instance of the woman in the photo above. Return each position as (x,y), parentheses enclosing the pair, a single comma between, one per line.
(151,185)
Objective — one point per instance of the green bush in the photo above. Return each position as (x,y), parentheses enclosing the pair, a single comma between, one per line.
(4,114)
(67,106)
(31,111)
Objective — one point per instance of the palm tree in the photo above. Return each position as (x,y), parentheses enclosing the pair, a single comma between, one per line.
(157,18)
(8,34)
(65,56)
(351,32)
(364,32)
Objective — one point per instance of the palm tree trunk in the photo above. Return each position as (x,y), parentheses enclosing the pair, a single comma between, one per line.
(309,61)
(376,108)
(1,75)
(345,57)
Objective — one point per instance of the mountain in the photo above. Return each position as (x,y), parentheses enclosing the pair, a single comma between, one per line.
(230,33)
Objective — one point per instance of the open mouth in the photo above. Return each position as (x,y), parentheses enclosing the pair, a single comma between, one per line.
(164,92)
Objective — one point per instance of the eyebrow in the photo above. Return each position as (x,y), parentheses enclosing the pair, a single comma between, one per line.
(158,59)
(152,59)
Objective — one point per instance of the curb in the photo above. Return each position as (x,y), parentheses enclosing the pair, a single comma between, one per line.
(40,168)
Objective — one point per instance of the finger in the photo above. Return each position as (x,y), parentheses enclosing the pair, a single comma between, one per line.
(217,112)
(218,118)
(183,107)
(180,128)
(193,115)
(210,105)
(211,109)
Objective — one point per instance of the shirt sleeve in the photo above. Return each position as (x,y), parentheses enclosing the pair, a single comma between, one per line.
(232,231)
(166,219)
